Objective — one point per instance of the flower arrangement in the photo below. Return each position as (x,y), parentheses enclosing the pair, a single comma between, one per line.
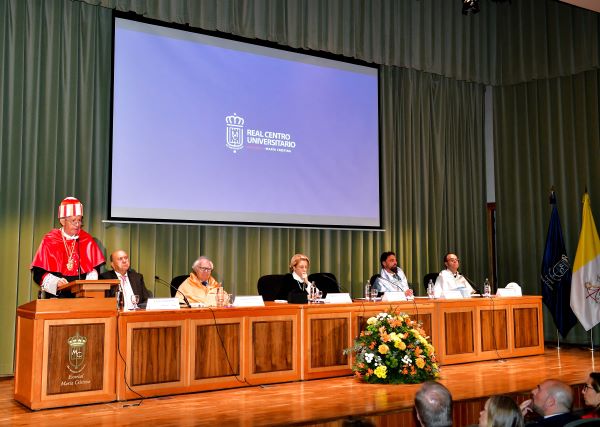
(393,349)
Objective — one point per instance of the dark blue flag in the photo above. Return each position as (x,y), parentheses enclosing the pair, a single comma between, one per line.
(556,275)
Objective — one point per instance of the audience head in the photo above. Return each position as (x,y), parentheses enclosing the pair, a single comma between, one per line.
(202,268)
(388,261)
(451,262)
(552,397)
(119,261)
(500,411)
(299,264)
(591,390)
(433,403)
(70,214)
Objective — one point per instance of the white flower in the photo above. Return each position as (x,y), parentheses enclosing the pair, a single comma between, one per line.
(407,360)
(369,357)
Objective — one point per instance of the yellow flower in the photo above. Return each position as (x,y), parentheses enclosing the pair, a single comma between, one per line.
(393,336)
(400,345)
(371,321)
(420,363)
(383,349)
(381,371)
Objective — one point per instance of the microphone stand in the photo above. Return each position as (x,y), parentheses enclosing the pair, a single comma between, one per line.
(398,287)
(78,260)
(165,283)
(475,286)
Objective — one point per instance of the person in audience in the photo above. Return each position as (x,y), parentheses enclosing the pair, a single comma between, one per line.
(501,411)
(132,282)
(66,254)
(591,395)
(391,277)
(433,404)
(295,285)
(201,286)
(450,279)
(552,401)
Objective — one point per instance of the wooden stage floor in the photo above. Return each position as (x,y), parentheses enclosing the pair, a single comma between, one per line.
(319,402)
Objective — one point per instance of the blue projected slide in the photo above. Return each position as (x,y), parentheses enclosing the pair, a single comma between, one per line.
(212,130)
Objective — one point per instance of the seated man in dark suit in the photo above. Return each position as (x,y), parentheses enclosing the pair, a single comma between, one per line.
(132,282)
(552,400)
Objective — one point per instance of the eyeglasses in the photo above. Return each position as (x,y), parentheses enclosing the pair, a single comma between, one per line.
(205,269)
(74,221)
(586,387)
(453,260)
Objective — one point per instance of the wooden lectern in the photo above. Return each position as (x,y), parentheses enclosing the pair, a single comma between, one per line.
(65,352)
(90,288)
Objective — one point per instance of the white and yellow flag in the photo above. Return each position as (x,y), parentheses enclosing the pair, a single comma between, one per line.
(585,283)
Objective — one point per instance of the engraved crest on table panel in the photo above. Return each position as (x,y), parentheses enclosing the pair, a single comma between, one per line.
(77,350)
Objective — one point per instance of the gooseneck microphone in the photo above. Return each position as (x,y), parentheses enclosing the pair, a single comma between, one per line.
(475,285)
(78,259)
(380,277)
(165,283)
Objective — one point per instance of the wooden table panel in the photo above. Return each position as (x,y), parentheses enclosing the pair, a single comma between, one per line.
(217,350)
(155,355)
(272,346)
(459,336)
(494,331)
(329,338)
(526,327)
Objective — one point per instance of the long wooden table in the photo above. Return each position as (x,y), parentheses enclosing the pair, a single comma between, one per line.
(153,353)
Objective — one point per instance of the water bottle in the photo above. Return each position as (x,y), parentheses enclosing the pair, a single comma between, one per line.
(430,291)
(487,289)
(312,292)
(367,291)
(119,299)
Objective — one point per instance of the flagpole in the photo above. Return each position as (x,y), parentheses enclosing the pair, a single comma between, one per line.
(592,340)
(557,340)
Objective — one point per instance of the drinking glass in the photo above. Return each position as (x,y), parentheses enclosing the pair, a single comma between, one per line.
(135,299)
(220,297)
(230,299)
(430,292)
(373,295)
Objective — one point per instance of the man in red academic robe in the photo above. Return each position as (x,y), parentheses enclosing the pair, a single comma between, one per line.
(66,254)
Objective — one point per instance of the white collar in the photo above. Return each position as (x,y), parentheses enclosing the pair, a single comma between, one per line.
(67,237)
(298,278)
(456,276)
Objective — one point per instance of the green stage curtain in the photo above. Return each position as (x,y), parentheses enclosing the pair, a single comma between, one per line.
(55,125)
(547,134)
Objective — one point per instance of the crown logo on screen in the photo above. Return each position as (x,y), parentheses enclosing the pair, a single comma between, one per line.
(234,120)
(235,132)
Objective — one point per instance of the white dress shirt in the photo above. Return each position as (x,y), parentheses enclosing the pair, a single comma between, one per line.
(448,281)
(389,283)
(127,291)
